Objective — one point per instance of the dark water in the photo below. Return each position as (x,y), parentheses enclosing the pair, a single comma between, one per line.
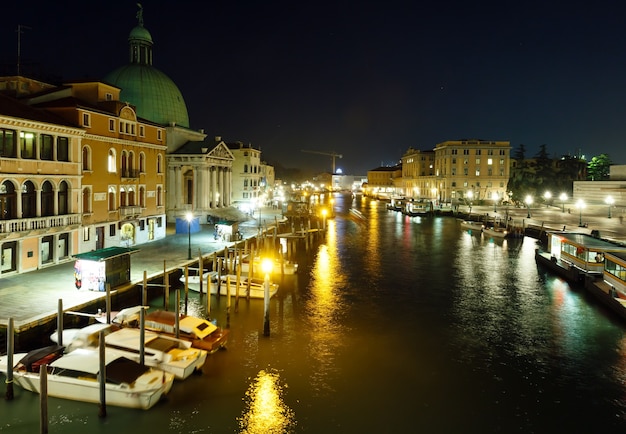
(394,325)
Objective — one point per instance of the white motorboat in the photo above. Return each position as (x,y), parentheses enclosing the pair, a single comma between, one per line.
(164,352)
(74,376)
(493,232)
(472,225)
(199,332)
(257,286)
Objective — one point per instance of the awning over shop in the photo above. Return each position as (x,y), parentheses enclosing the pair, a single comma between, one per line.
(104,254)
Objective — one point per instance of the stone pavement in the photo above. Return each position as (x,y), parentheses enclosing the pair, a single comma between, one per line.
(34,296)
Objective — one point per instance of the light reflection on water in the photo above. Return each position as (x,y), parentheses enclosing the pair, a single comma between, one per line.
(265,410)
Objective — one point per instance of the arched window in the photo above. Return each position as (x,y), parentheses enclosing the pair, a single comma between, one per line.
(8,201)
(29,200)
(47,199)
(245,168)
(159,197)
(160,163)
(124,161)
(142,162)
(131,197)
(86,158)
(112,205)
(112,165)
(86,200)
(123,196)
(131,163)
(142,197)
(63,198)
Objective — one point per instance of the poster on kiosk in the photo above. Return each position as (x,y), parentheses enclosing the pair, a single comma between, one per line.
(93,270)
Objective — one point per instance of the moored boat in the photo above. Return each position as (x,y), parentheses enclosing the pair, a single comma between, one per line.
(199,332)
(160,351)
(472,225)
(494,232)
(256,290)
(74,376)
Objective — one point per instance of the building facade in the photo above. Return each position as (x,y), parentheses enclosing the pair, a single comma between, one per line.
(122,165)
(248,180)
(418,175)
(40,186)
(472,168)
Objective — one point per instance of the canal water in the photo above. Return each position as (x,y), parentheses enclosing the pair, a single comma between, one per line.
(394,324)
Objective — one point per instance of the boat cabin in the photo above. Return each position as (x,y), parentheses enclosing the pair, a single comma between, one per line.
(615,273)
(582,251)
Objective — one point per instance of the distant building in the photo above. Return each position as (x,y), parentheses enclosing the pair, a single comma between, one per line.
(248,178)
(479,166)
(418,175)
(382,181)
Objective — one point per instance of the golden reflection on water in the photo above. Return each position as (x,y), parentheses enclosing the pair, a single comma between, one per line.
(265,411)
(324,308)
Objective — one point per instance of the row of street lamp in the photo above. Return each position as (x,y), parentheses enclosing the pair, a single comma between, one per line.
(580,204)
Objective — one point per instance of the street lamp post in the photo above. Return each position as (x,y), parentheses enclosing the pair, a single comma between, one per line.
(470,195)
(528,200)
(580,205)
(609,201)
(563,198)
(189,216)
(266,266)
(494,196)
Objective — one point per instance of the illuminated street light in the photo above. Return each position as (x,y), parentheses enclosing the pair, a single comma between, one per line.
(609,201)
(189,217)
(547,196)
(563,198)
(324,212)
(580,205)
(528,201)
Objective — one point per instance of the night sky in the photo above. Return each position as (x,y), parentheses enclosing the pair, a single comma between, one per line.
(364,79)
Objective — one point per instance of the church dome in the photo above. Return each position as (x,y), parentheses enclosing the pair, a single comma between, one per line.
(154,94)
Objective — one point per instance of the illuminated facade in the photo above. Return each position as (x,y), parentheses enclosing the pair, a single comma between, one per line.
(479,166)
(122,161)
(418,170)
(247,175)
(40,184)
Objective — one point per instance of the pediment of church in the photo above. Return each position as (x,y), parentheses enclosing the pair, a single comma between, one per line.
(221,151)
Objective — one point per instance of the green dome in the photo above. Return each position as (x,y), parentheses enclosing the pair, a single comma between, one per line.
(153,93)
(140,32)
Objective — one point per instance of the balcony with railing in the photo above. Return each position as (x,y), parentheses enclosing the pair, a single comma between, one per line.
(130,174)
(130,211)
(17,228)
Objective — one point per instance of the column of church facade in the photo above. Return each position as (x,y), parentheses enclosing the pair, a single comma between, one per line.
(213,187)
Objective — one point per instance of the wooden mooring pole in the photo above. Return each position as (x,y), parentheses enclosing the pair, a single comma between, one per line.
(43,398)
(10,343)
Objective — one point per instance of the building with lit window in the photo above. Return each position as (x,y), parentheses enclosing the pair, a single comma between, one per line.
(478,166)
(418,174)
(40,183)
(122,161)
(247,176)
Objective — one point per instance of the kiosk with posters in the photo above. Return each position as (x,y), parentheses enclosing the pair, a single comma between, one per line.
(93,270)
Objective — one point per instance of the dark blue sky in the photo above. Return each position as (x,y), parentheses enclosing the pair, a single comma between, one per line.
(364,79)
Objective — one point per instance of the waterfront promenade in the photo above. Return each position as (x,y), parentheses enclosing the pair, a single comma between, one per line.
(28,297)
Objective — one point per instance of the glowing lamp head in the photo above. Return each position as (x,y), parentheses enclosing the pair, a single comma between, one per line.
(188,216)
(266,265)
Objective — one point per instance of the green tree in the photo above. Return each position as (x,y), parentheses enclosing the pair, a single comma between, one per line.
(599,168)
